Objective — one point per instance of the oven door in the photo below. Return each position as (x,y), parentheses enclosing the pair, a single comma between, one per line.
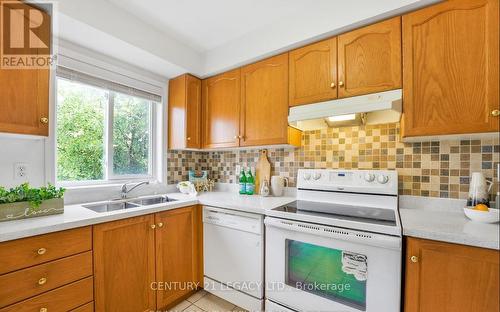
(312,267)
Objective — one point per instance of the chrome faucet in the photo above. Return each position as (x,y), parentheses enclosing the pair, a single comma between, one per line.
(125,190)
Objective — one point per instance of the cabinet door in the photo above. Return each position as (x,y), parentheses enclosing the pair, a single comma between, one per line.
(448,277)
(24,98)
(264,102)
(193,106)
(177,113)
(450,68)
(184,112)
(313,73)
(124,265)
(221,110)
(370,59)
(177,248)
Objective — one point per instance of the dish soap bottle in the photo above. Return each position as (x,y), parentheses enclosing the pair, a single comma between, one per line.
(250,185)
(243,182)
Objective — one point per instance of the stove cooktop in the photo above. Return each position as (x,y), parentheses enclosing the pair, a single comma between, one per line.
(370,215)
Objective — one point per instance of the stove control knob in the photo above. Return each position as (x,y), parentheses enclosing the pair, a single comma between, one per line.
(316,176)
(382,179)
(369,177)
(307,176)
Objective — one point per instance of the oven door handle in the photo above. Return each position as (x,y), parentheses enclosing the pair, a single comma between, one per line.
(366,238)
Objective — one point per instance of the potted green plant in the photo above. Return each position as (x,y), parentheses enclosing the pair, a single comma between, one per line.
(25,202)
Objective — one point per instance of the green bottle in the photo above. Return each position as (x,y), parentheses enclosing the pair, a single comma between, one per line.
(250,186)
(243,182)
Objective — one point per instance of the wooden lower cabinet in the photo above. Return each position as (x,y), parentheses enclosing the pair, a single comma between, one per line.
(124,265)
(149,262)
(450,278)
(62,299)
(177,253)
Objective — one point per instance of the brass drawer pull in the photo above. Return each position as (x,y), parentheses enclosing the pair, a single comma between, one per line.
(495,113)
(44,120)
(341,83)
(160,224)
(41,251)
(44,310)
(414,259)
(333,85)
(42,281)
(153,226)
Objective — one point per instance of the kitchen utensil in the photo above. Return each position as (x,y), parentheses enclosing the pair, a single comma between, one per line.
(278,184)
(479,190)
(264,190)
(491,216)
(262,171)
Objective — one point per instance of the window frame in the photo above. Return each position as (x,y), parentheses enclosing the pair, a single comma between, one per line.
(109,177)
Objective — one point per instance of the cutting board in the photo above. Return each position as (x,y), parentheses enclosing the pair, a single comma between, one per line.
(262,171)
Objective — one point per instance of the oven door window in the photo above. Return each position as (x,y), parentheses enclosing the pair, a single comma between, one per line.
(337,275)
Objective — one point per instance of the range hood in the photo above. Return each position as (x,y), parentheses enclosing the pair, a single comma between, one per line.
(375,108)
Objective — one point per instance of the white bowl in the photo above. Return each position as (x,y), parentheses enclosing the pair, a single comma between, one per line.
(491,216)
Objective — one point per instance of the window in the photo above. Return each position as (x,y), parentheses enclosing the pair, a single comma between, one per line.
(104,131)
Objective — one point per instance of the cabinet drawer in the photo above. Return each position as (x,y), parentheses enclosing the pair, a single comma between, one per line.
(25,252)
(32,281)
(61,299)
(89,307)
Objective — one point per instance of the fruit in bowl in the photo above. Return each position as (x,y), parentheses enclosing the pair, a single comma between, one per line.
(481,213)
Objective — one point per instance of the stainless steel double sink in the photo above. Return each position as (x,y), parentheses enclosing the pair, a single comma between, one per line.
(113,205)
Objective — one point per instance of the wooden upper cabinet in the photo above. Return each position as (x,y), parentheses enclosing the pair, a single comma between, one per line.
(264,102)
(177,251)
(221,110)
(184,112)
(313,73)
(451,68)
(124,265)
(369,59)
(24,98)
(448,277)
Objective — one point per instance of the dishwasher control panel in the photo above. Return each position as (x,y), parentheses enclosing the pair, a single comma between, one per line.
(242,221)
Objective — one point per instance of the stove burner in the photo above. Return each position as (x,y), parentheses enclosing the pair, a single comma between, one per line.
(342,212)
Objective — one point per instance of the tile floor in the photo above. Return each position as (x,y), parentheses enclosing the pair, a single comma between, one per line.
(203,301)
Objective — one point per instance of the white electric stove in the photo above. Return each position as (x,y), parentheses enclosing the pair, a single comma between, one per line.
(338,246)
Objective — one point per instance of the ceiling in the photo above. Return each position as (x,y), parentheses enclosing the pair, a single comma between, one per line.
(204,25)
(170,37)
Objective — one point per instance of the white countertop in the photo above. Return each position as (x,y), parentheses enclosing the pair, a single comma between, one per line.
(76,215)
(443,220)
(419,217)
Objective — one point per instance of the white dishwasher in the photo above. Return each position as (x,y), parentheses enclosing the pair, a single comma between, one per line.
(233,248)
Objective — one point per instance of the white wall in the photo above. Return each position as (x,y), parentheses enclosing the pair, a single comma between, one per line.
(15,150)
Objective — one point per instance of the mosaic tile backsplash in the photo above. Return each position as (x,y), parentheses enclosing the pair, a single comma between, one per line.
(430,168)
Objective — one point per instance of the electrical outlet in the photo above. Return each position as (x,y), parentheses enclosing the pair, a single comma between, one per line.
(21,171)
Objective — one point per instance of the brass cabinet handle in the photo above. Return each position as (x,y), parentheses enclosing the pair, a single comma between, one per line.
(341,83)
(44,309)
(189,138)
(160,224)
(240,137)
(42,281)
(153,226)
(41,251)
(495,113)
(333,85)
(414,259)
(44,120)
